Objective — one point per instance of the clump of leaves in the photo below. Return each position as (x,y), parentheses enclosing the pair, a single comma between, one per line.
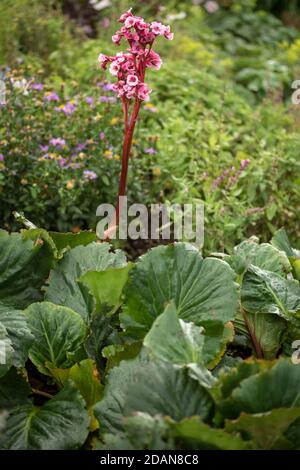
(107,354)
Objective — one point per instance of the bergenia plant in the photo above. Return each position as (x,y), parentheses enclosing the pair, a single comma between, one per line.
(129,68)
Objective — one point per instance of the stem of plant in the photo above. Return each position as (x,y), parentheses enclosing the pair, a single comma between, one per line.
(129,126)
(255,342)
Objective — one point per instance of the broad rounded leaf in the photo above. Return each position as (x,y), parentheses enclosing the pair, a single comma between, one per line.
(60,424)
(24,267)
(162,389)
(18,333)
(202,289)
(265,429)
(64,287)
(264,256)
(57,330)
(267,292)
(275,387)
(110,410)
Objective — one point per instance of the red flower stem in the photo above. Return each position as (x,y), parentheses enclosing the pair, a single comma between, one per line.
(128,135)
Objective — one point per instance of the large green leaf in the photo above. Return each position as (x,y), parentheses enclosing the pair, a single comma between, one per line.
(264,256)
(64,241)
(64,287)
(86,378)
(195,434)
(106,286)
(162,389)
(60,424)
(281,241)
(203,290)
(57,330)
(180,343)
(275,387)
(173,340)
(18,333)
(110,410)
(24,266)
(266,429)
(142,432)
(267,292)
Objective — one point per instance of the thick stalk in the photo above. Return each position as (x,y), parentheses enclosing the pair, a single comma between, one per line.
(255,342)
(125,156)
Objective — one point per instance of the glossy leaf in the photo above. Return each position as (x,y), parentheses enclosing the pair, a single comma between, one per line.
(64,287)
(62,423)
(18,332)
(202,290)
(57,330)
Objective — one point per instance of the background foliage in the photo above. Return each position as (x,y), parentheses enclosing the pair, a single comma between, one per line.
(220,127)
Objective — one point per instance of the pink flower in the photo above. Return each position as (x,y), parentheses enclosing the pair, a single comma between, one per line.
(154,61)
(125,16)
(141,24)
(158,28)
(168,35)
(129,22)
(116,38)
(132,80)
(114,68)
(143,92)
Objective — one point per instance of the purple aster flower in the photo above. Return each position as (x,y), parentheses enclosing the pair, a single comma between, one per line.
(80,147)
(89,175)
(107,86)
(89,100)
(37,86)
(1,157)
(51,96)
(58,142)
(150,151)
(101,136)
(44,148)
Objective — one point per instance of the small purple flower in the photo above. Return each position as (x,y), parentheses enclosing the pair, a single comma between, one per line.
(101,136)
(1,157)
(150,151)
(67,109)
(89,100)
(89,175)
(107,86)
(80,147)
(51,96)
(74,166)
(58,142)
(62,162)
(44,148)
(37,86)
(45,156)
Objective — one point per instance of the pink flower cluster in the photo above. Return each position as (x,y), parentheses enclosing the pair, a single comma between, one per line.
(130,67)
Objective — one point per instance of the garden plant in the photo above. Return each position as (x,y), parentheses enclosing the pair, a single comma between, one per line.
(114,346)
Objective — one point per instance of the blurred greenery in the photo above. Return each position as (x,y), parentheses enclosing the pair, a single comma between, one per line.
(220,125)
